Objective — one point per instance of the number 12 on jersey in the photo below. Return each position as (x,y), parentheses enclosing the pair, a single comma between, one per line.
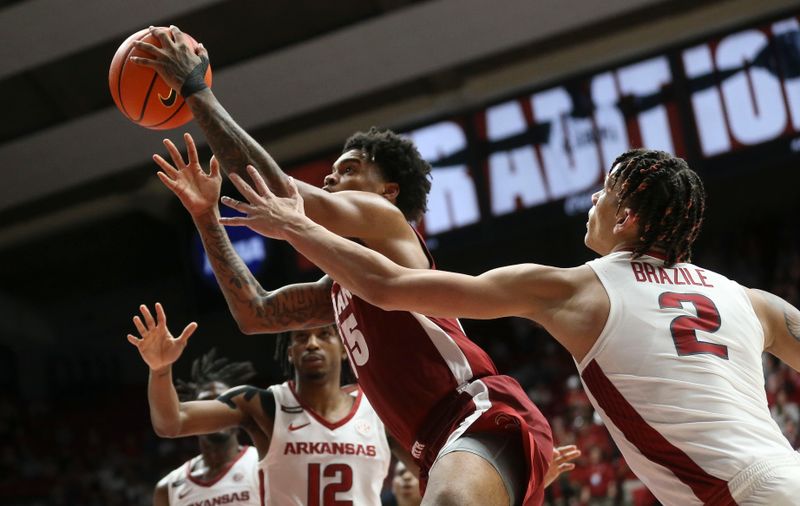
(343,472)
(684,328)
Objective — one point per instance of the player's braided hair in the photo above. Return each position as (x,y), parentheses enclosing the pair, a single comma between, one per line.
(667,196)
(282,357)
(400,163)
(282,352)
(209,369)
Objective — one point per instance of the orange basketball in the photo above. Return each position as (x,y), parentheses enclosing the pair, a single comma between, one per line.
(140,93)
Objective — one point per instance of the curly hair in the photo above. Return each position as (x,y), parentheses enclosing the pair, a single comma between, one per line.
(209,369)
(399,162)
(667,196)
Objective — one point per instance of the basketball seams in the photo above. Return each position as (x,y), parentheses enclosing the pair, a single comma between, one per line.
(122,72)
(137,87)
(161,124)
(147,97)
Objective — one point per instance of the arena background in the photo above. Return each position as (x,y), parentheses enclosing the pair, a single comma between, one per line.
(519,105)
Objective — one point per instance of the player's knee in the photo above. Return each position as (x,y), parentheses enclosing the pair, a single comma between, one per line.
(448,496)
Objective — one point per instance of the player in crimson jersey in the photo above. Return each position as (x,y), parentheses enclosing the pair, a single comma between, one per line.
(225,471)
(318,443)
(476,436)
(669,352)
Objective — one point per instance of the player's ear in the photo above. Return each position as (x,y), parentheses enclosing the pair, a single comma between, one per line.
(627,222)
(391,191)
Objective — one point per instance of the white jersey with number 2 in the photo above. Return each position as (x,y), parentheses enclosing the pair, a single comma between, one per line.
(312,462)
(677,377)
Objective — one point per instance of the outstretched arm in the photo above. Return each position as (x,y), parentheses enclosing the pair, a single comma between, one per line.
(254,309)
(520,290)
(170,417)
(362,216)
(781,323)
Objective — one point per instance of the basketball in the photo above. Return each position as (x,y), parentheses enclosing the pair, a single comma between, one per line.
(140,93)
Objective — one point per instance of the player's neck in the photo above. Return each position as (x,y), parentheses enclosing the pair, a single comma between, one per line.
(326,398)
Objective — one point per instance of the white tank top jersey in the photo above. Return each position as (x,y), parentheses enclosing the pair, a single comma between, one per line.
(237,486)
(316,463)
(677,377)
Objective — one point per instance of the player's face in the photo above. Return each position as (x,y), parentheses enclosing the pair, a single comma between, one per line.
(354,171)
(405,486)
(316,353)
(602,218)
(211,392)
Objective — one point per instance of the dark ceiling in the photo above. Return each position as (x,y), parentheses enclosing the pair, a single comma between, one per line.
(76,84)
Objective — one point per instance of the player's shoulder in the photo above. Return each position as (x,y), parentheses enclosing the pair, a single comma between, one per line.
(163,483)
(249,455)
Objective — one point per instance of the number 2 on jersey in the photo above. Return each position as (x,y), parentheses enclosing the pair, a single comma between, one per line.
(345,474)
(684,328)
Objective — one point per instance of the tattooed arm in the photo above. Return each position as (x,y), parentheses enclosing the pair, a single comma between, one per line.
(781,323)
(231,144)
(257,311)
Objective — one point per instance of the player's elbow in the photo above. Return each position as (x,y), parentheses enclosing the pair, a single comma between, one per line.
(250,324)
(167,430)
(248,327)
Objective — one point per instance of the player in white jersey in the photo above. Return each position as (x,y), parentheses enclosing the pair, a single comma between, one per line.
(318,443)
(669,352)
(237,485)
(225,472)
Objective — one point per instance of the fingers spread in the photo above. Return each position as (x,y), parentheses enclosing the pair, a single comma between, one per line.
(137,322)
(244,188)
(258,181)
(214,166)
(148,48)
(148,317)
(177,159)
(163,35)
(162,318)
(188,331)
(191,149)
(234,221)
(168,168)
(146,62)
(242,207)
(169,183)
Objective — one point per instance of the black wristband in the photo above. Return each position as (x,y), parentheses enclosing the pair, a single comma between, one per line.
(195,81)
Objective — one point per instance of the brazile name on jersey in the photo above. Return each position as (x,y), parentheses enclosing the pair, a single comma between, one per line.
(232,498)
(646,273)
(328,448)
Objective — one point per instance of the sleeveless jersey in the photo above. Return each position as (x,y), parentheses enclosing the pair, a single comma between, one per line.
(315,463)
(237,486)
(430,383)
(676,375)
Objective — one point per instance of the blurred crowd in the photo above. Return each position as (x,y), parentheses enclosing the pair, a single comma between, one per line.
(103,451)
